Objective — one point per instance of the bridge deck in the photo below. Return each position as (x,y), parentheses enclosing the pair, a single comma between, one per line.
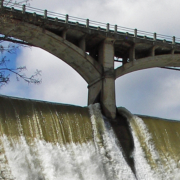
(94,35)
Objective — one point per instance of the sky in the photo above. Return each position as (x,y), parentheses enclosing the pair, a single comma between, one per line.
(153,92)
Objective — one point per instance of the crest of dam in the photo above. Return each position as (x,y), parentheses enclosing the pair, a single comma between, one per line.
(51,141)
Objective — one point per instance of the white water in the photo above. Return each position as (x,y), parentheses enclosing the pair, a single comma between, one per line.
(168,171)
(100,159)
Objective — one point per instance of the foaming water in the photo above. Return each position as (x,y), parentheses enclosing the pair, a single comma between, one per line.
(100,159)
(42,160)
(107,145)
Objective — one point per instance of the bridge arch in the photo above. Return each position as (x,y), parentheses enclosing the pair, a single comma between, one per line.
(152,91)
(84,64)
(148,62)
(100,88)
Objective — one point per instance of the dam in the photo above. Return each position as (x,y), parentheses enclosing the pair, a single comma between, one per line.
(42,140)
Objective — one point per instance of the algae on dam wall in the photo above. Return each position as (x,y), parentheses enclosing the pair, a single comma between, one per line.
(165,135)
(51,122)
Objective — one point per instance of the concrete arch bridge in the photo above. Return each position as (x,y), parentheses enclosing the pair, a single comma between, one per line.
(89,47)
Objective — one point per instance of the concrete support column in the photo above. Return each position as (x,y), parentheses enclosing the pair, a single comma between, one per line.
(82,44)
(124,60)
(64,34)
(102,90)
(152,53)
(132,53)
(106,59)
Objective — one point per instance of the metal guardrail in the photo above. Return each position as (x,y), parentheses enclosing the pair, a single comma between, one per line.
(90,24)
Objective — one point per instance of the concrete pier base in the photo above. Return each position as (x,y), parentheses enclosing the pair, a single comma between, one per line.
(108,98)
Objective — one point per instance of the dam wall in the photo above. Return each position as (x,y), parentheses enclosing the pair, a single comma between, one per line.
(43,140)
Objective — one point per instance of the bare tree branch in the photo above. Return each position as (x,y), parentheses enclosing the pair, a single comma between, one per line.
(26,2)
(5,73)
(11,48)
(17,72)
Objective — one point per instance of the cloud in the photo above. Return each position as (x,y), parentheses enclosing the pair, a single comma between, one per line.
(152,92)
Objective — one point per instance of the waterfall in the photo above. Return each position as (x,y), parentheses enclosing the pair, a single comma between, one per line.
(51,141)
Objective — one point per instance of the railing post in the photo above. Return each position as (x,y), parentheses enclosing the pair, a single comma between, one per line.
(87,23)
(135,32)
(115,29)
(45,14)
(107,27)
(154,37)
(23,9)
(67,17)
(1,3)
(173,40)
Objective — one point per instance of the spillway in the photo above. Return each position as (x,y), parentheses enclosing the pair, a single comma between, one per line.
(51,141)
